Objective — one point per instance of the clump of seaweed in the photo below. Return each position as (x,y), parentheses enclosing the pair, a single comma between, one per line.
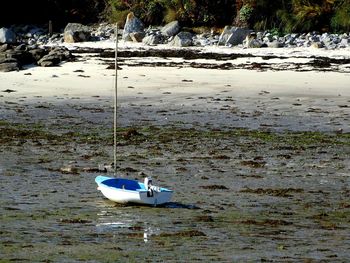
(281,192)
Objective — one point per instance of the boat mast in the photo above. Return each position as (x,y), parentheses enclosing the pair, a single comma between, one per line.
(115,99)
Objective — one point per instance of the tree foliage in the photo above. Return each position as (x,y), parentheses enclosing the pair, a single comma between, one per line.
(280,15)
(59,11)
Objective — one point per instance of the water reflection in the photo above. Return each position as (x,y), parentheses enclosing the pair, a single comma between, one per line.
(108,220)
(149,231)
(122,221)
(136,221)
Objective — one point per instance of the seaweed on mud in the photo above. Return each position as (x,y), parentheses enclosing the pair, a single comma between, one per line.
(69,170)
(221,157)
(332,220)
(179,234)
(326,61)
(12,132)
(74,221)
(253,164)
(8,90)
(184,233)
(204,218)
(317,64)
(131,132)
(321,63)
(281,192)
(245,216)
(128,170)
(214,187)
(265,222)
(169,53)
(16,134)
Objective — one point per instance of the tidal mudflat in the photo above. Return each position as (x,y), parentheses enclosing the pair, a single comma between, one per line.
(258,159)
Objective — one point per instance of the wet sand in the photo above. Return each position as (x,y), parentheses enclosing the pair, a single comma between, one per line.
(258,160)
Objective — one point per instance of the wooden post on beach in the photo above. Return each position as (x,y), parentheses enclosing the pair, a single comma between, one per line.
(115,99)
(50,28)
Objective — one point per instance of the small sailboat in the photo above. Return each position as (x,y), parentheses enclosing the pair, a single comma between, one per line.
(122,190)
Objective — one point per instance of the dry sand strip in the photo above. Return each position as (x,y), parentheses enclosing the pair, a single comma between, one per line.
(280,100)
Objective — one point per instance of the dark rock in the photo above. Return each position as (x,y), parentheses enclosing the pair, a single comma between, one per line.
(137,36)
(9,64)
(233,35)
(23,57)
(132,25)
(251,41)
(13,58)
(49,60)
(75,32)
(38,53)
(21,47)
(54,57)
(7,36)
(171,29)
(345,42)
(183,39)
(153,40)
(4,47)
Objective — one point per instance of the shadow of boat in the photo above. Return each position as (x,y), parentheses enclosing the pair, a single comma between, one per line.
(170,205)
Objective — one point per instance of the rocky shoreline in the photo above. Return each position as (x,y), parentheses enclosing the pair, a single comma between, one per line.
(15,57)
(25,45)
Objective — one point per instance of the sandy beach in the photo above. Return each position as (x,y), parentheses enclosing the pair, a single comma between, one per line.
(286,99)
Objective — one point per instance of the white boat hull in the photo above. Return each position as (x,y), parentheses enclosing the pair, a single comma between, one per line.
(120,193)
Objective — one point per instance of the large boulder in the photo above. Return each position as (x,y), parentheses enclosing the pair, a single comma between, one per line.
(154,37)
(132,25)
(75,32)
(171,29)
(152,40)
(7,36)
(15,57)
(233,35)
(183,39)
(345,42)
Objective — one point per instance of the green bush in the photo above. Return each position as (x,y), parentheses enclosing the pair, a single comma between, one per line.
(283,15)
(340,21)
(306,15)
(188,12)
(246,12)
